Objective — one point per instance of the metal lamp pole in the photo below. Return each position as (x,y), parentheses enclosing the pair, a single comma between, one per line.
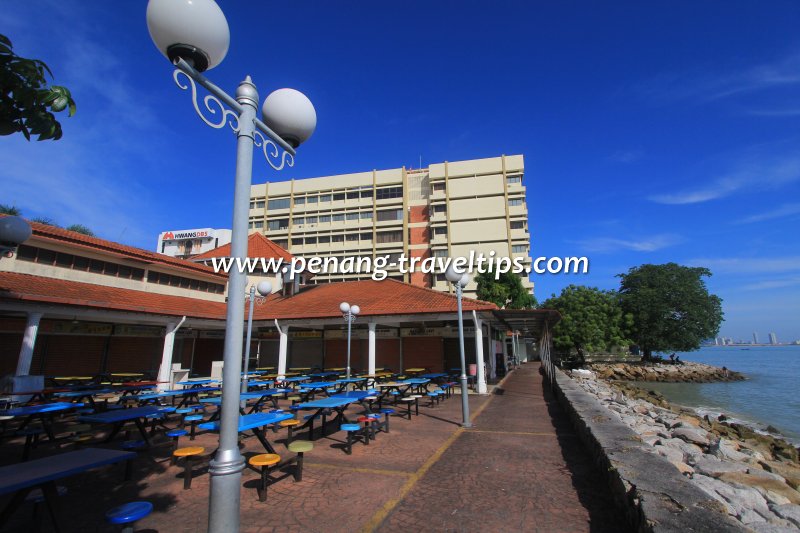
(264,289)
(459,281)
(349,313)
(194,36)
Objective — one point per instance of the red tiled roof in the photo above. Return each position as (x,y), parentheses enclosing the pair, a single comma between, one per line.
(257,246)
(387,297)
(54,234)
(25,287)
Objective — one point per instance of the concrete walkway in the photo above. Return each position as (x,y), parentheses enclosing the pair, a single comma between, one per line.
(520,469)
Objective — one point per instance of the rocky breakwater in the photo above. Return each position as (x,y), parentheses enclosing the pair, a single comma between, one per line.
(684,372)
(754,477)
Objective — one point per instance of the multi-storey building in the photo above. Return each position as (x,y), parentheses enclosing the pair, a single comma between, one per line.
(446,210)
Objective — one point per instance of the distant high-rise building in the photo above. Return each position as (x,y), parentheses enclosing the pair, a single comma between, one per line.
(773,339)
(755,337)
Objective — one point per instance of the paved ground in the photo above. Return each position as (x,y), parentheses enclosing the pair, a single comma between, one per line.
(520,468)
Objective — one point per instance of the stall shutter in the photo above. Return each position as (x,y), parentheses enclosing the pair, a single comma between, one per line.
(423,352)
(73,355)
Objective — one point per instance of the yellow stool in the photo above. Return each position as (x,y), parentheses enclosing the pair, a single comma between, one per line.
(265,461)
(300,447)
(289,424)
(188,454)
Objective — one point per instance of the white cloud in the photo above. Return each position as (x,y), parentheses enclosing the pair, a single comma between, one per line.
(612,244)
(780,212)
(771,284)
(749,265)
(754,173)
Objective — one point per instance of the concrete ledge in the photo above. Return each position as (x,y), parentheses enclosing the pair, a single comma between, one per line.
(654,494)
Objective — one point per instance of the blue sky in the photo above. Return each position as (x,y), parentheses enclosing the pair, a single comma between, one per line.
(652,131)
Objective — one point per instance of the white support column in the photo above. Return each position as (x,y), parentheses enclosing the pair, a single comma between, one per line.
(371,326)
(492,355)
(481,377)
(283,349)
(165,370)
(28,343)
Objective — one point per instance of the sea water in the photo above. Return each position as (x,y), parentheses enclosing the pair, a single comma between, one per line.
(769,396)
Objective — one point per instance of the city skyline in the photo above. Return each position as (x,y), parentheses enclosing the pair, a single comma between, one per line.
(666,134)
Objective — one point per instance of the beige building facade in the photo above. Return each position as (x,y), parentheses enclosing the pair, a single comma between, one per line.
(449,209)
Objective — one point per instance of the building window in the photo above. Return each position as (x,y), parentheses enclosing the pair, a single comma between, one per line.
(283,243)
(366,237)
(324,198)
(351,195)
(390,214)
(389,192)
(259,224)
(351,237)
(260,204)
(281,223)
(366,194)
(323,219)
(338,197)
(324,240)
(352,216)
(365,215)
(441,277)
(300,200)
(312,199)
(517,224)
(337,238)
(440,230)
(519,249)
(297,242)
(338,217)
(311,220)
(389,236)
(298,220)
(441,208)
(280,203)
(311,240)
(439,187)
(512,202)
(440,253)
(514,180)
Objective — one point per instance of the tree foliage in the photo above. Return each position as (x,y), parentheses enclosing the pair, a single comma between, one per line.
(11,210)
(80,228)
(27,104)
(507,291)
(47,221)
(591,320)
(671,307)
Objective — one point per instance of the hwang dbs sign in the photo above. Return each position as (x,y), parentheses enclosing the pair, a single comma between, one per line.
(189,234)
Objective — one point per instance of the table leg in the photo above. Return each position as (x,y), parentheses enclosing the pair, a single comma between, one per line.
(16,500)
(51,502)
(259,433)
(142,430)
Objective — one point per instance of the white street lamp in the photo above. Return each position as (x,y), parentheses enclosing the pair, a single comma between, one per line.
(264,289)
(13,232)
(459,281)
(194,35)
(349,313)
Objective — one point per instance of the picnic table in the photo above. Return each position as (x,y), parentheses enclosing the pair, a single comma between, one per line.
(80,395)
(118,417)
(260,396)
(337,403)
(310,389)
(253,422)
(326,374)
(187,394)
(44,412)
(21,478)
(197,383)
(414,371)
(359,382)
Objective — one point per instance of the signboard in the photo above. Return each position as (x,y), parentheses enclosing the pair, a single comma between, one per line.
(79,328)
(180,235)
(380,333)
(130,330)
(436,332)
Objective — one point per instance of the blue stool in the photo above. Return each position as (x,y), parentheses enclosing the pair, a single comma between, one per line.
(128,513)
(193,420)
(175,435)
(384,426)
(354,432)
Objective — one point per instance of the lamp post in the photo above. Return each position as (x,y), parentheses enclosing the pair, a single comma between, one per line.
(264,289)
(14,231)
(194,36)
(459,281)
(349,313)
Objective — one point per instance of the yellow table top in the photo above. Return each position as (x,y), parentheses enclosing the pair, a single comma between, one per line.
(335,369)
(265,368)
(73,377)
(127,374)
(415,369)
(300,368)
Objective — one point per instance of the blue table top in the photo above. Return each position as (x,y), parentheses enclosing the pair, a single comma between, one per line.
(41,408)
(121,415)
(356,395)
(38,471)
(79,393)
(197,382)
(323,374)
(317,385)
(330,402)
(181,392)
(415,381)
(255,395)
(296,379)
(351,380)
(247,422)
(433,375)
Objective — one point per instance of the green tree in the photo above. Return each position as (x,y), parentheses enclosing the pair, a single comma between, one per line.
(591,320)
(80,228)
(47,221)
(26,101)
(507,291)
(10,210)
(671,307)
